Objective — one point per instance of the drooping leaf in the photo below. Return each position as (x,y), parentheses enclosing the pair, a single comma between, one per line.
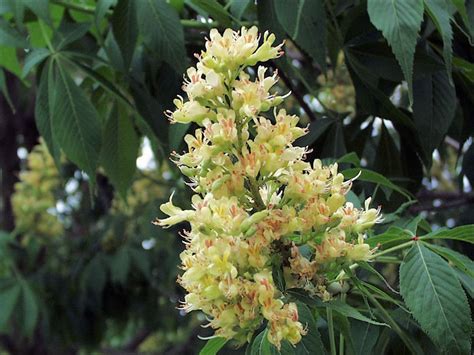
(120,149)
(125,29)
(399,22)
(162,31)
(43,116)
(433,293)
(433,109)
(302,18)
(439,11)
(213,346)
(75,122)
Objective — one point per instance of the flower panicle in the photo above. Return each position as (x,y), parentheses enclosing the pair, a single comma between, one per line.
(255,196)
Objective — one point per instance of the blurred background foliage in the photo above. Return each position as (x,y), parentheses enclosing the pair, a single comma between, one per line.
(84,145)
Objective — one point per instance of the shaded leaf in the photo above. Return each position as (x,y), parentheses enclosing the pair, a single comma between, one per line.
(43,116)
(162,31)
(120,149)
(8,300)
(439,11)
(364,337)
(400,22)
(215,10)
(125,29)
(75,122)
(10,37)
(311,343)
(301,18)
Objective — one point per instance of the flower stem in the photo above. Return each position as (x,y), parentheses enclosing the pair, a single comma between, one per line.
(332,339)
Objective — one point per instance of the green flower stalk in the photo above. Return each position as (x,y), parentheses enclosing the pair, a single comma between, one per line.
(255,196)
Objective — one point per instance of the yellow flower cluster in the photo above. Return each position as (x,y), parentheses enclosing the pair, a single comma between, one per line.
(255,196)
(34,196)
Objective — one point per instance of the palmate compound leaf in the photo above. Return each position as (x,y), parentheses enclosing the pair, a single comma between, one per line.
(399,22)
(433,293)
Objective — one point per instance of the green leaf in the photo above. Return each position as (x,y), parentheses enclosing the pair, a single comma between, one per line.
(43,114)
(305,22)
(439,11)
(10,37)
(120,149)
(351,312)
(69,33)
(40,8)
(433,109)
(101,10)
(213,346)
(9,60)
(4,90)
(433,293)
(310,343)
(261,345)
(466,68)
(125,29)
(162,31)
(94,276)
(215,10)
(120,266)
(461,7)
(364,337)
(316,130)
(400,22)
(463,233)
(33,58)
(238,7)
(75,122)
(30,309)
(8,301)
(141,260)
(394,235)
(462,262)
(376,178)
(176,134)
